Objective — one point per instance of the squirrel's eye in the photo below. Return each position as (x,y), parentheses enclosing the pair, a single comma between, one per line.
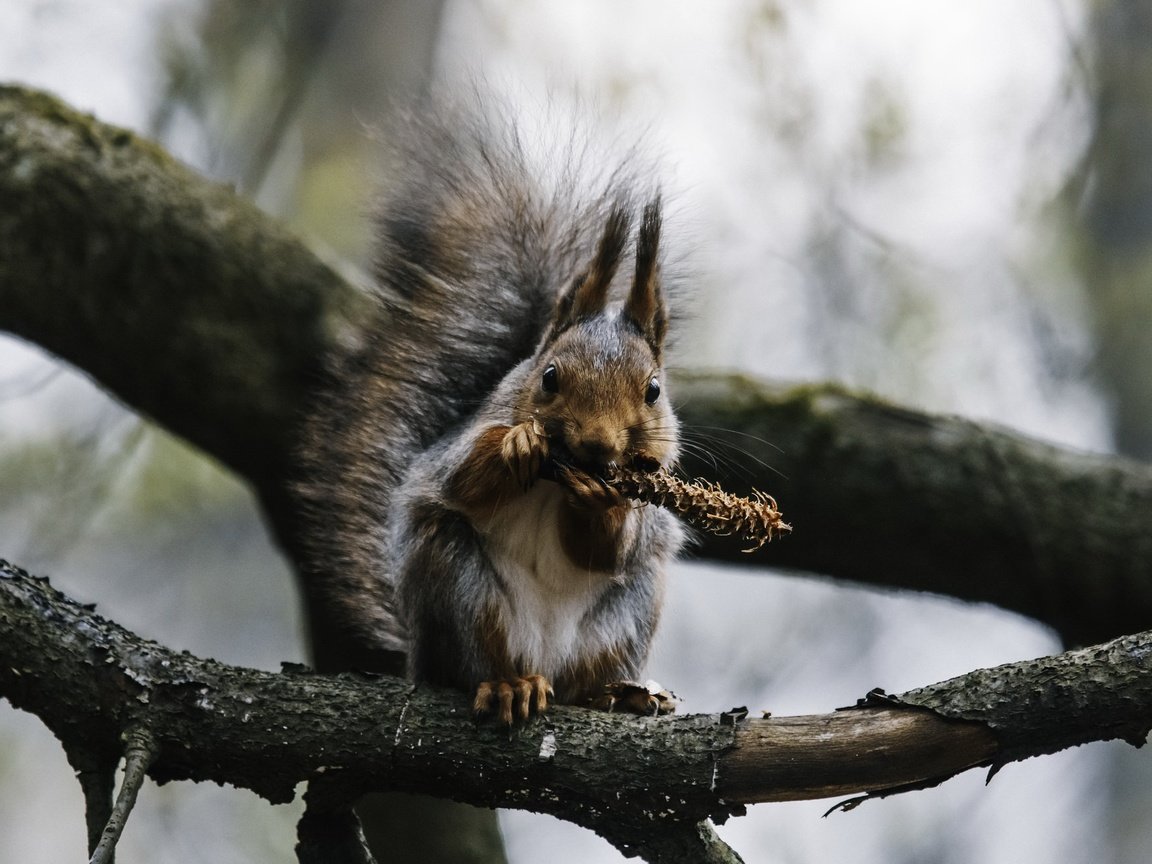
(653,391)
(549,381)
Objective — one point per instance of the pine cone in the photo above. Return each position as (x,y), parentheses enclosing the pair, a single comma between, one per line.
(701,503)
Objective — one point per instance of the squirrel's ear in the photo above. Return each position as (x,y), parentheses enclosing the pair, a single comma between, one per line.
(645,304)
(589,293)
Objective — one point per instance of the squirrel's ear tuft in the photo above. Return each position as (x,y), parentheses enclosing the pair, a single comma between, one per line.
(589,293)
(645,305)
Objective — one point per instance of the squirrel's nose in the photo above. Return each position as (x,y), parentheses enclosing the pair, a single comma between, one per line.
(596,450)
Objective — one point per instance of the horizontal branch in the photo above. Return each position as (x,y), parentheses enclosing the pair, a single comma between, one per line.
(204,314)
(882,495)
(848,752)
(89,679)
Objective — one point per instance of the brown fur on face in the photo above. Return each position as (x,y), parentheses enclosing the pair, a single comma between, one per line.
(603,371)
(594,392)
(592,384)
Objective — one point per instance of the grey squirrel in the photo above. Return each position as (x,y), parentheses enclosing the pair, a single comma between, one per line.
(450,498)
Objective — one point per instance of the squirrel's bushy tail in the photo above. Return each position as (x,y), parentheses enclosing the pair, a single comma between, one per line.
(479,228)
(479,225)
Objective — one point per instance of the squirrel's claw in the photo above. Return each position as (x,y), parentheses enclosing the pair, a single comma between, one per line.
(633,698)
(524,450)
(512,699)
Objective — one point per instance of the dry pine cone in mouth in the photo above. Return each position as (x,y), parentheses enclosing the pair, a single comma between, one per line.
(699,502)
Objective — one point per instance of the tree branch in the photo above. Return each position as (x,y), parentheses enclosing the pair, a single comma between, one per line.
(139,753)
(110,251)
(89,679)
(934,503)
(181,299)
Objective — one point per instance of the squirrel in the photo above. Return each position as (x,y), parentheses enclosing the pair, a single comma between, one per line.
(451,502)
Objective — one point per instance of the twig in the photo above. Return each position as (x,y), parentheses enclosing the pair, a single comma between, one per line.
(140,750)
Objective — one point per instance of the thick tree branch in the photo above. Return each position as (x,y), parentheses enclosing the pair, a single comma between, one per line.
(176,295)
(883,495)
(89,680)
(111,252)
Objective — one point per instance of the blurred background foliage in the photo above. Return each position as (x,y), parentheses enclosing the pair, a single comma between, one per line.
(947,204)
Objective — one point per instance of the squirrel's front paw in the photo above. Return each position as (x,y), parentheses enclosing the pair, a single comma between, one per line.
(512,699)
(589,490)
(650,698)
(524,450)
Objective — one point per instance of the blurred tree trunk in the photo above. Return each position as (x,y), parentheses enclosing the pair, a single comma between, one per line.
(283,93)
(1111,202)
(1110,205)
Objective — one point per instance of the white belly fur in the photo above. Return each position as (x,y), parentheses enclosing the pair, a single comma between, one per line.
(548,596)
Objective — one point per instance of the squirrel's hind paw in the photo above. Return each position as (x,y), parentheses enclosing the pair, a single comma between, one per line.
(512,699)
(650,698)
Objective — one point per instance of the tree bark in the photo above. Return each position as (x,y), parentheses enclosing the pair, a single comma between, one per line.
(110,252)
(632,779)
